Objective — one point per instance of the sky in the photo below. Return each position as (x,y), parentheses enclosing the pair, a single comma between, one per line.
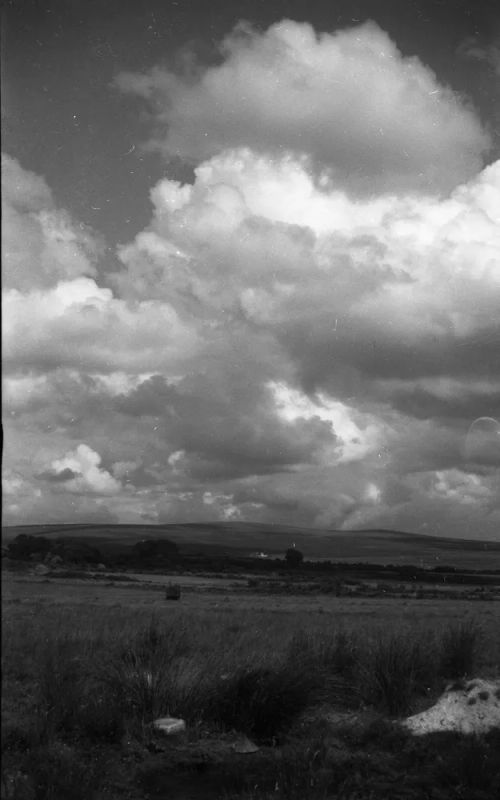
(251,263)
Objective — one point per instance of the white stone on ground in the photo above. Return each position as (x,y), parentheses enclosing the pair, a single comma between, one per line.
(170,726)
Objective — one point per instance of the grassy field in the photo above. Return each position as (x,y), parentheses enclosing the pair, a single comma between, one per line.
(317,682)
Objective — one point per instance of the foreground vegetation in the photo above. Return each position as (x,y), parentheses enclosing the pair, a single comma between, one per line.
(81,687)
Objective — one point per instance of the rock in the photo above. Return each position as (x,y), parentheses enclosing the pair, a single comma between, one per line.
(243,745)
(101,567)
(170,726)
(41,569)
(173,591)
(468,707)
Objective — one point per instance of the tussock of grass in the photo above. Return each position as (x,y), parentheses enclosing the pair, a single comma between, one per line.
(331,660)
(337,652)
(138,685)
(459,650)
(391,671)
(262,702)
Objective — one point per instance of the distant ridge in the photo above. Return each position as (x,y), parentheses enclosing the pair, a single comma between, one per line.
(378,546)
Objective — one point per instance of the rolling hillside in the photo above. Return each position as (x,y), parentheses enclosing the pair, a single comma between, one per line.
(375,546)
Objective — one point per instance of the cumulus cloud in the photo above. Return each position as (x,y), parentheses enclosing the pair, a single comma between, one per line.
(416,278)
(347,99)
(378,317)
(293,333)
(277,345)
(41,244)
(443,503)
(80,472)
(79,324)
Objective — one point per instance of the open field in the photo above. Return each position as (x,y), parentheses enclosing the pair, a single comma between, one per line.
(215,596)
(318,682)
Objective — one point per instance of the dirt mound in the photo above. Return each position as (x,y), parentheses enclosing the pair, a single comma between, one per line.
(470,707)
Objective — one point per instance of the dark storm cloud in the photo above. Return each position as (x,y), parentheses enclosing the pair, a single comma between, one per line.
(58,477)
(228,421)
(458,402)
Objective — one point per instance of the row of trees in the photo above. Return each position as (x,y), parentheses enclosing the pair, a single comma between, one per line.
(148,552)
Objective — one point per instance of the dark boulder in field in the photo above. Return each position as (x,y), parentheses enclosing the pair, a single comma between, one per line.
(173,591)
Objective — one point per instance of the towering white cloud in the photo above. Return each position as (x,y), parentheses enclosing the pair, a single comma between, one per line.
(347,99)
(78,324)
(256,240)
(41,244)
(80,472)
(307,333)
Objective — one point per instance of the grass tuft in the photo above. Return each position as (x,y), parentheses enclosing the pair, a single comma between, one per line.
(262,702)
(391,672)
(459,650)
